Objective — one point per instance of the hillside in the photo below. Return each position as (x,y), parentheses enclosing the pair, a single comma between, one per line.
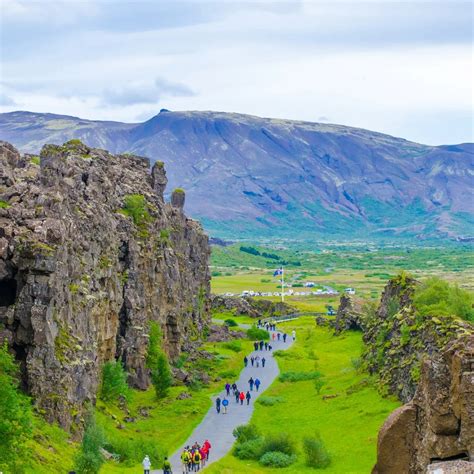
(256,177)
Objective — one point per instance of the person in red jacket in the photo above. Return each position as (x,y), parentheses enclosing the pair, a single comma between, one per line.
(203,452)
(242,397)
(208,447)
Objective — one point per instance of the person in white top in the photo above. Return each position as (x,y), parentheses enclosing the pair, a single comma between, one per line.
(146,465)
(293,333)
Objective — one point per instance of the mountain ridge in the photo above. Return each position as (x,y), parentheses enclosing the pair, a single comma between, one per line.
(284,178)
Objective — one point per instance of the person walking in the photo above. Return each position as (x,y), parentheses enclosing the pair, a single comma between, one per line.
(242,397)
(263,361)
(185,459)
(227,388)
(266,346)
(257,361)
(261,345)
(252,360)
(255,345)
(251,382)
(208,446)
(203,453)
(236,394)
(225,403)
(166,466)
(284,337)
(196,459)
(146,463)
(270,347)
(278,336)
(257,384)
(218,404)
(293,334)
(273,336)
(248,397)
(246,361)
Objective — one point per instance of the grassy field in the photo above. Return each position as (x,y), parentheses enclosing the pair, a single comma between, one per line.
(348,423)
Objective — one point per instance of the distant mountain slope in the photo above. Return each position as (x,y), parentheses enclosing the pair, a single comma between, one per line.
(248,176)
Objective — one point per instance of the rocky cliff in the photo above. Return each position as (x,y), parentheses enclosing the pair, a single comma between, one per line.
(350,314)
(89,254)
(397,338)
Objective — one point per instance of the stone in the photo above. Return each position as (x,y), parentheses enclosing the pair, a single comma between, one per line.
(350,314)
(82,276)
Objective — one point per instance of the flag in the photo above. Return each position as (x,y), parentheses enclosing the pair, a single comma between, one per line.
(278,272)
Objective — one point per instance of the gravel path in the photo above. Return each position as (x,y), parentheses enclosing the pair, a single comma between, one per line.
(217,428)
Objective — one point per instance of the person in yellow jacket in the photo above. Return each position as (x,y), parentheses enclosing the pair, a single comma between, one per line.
(186,460)
(196,460)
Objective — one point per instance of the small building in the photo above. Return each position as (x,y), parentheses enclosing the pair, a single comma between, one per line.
(350,291)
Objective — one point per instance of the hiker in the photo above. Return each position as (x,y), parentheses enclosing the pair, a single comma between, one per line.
(166,466)
(252,360)
(246,361)
(266,346)
(293,334)
(208,445)
(284,337)
(257,361)
(242,397)
(278,336)
(257,384)
(227,388)
(273,336)
(261,345)
(218,404)
(234,387)
(146,465)
(270,347)
(237,393)
(251,382)
(225,403)
(185,460)
(203,453)
(259,323)
(263,361)
(248,397)
(255,345)
(266,326)
(196,459)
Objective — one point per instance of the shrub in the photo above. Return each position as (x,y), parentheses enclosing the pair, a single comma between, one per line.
(235,346)
(298,376)
(269,401)
(256,334)
(251,449)
(319,383)
(4,204)
(114,382)
(89,459)
(286,354)
(15,415)
(136,206)
(35,160)
(157,362)
(280,442)
(245,433)
(277,459)
(231,323)
(133,450)
(315,452)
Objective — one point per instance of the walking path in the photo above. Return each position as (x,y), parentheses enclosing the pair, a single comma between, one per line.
(217,428)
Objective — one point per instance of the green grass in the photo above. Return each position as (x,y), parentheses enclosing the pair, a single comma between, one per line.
(348,423)
(240,319)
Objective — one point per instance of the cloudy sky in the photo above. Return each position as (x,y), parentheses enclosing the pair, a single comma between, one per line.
(404,68)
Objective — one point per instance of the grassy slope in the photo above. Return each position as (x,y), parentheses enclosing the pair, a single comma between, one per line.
(347,423)
(171,420)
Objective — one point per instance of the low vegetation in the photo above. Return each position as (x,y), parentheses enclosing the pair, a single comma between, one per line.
(89,458)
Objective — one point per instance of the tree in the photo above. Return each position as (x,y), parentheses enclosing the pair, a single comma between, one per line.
(157,362)
(16,418)
(114,382)
(89,459)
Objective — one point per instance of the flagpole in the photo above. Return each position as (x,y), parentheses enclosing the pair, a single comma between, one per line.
(282,285)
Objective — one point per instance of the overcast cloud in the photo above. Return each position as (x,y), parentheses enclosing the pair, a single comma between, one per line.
(404,68)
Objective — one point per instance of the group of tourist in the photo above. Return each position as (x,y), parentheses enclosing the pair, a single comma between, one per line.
(195,457)
(262,345)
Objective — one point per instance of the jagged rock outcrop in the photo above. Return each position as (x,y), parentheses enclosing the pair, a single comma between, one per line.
(350,315)
(397,338)
(255,308)
(89,254)
(438,424)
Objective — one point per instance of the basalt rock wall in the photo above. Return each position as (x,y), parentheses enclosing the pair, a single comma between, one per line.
(89,254)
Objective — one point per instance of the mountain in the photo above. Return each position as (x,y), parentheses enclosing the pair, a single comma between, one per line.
(248,176)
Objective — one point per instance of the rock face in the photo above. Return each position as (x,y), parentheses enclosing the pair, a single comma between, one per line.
(350,315)
(397,338)
(89,255)
(438,424)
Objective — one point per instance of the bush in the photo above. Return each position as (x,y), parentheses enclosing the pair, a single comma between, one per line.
(298,376)
(15,415)
(256,334)
(277,459)
(231,323)
(319,383)
(89,459)
(235,346)
(251,449)
(133,450)
(436,297)
(136,206)
(280,442)
(269,401)
(114,382)
(286,354)
(157,362)
(245,433)
(315,452)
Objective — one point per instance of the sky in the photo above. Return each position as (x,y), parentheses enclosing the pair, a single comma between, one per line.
(405,68)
